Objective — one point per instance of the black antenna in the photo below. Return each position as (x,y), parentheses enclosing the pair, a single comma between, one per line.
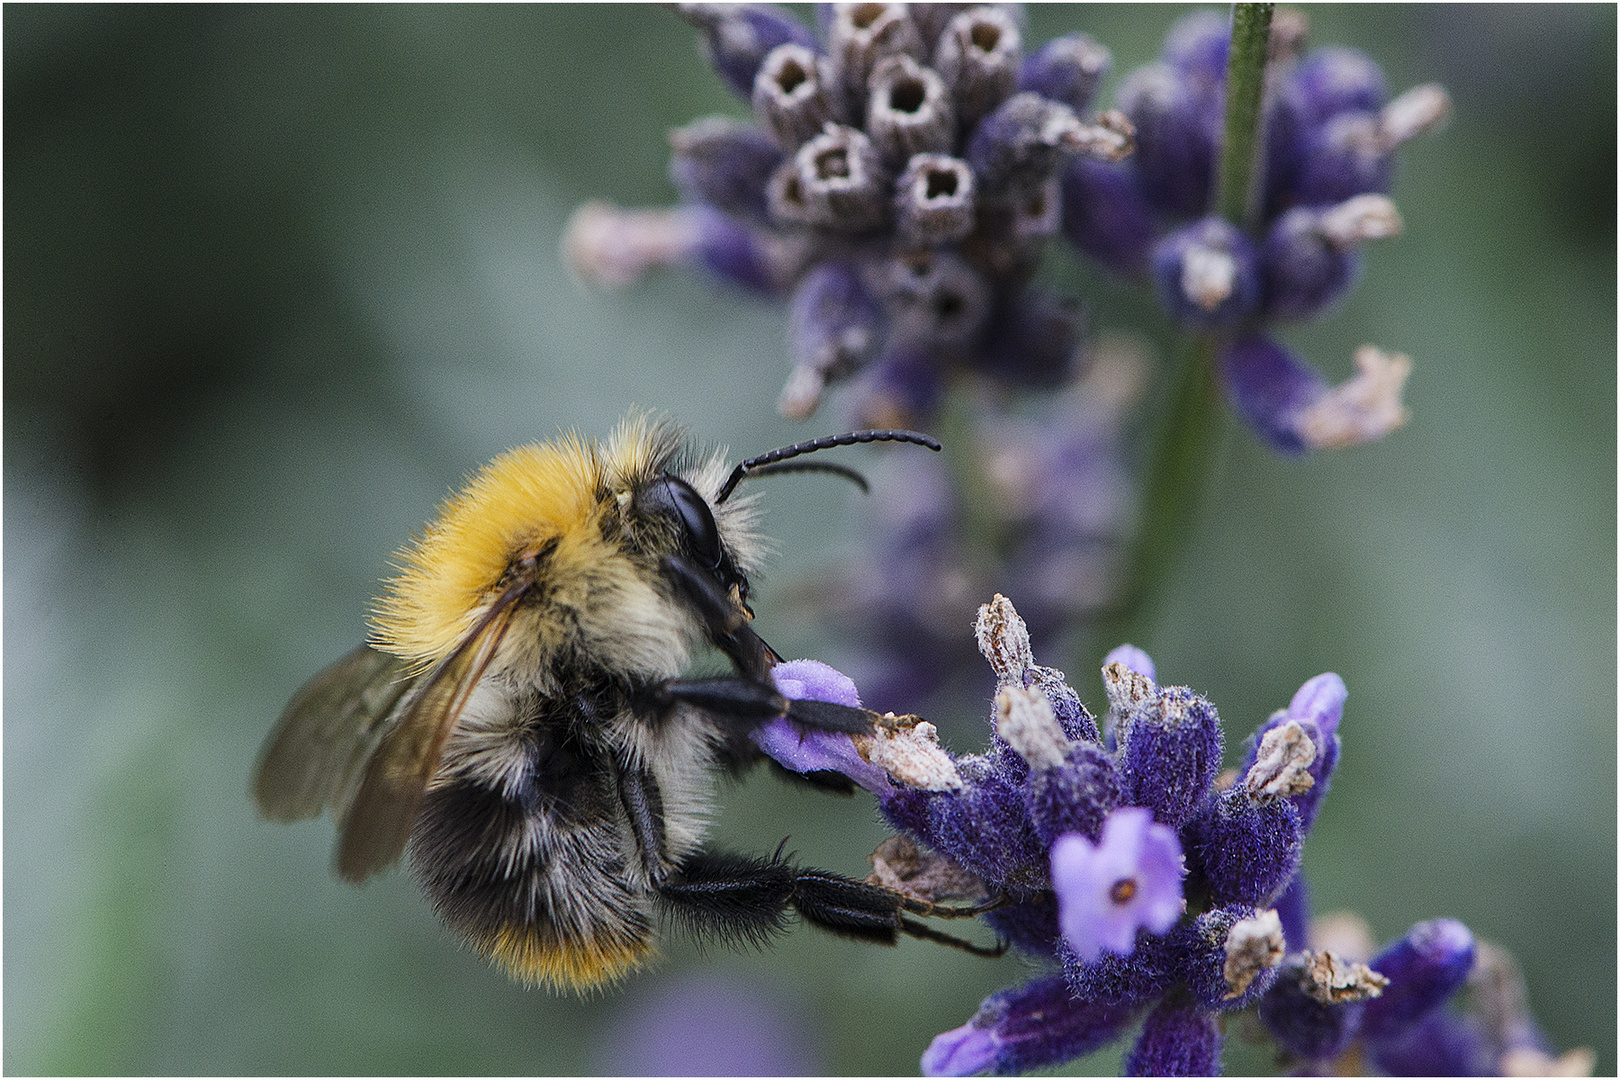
(827,442)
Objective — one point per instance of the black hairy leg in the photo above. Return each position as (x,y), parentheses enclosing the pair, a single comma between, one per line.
(738,899)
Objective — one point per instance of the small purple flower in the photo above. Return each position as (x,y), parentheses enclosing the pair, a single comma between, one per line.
(1133,658)
(1131,878)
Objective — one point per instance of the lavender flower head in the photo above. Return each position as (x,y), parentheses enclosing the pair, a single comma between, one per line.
(1148,888)
(897,186)
(1329,133)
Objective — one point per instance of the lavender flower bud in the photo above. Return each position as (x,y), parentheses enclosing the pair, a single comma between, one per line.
(1034,340)
(1025,141)
(1067,70)
(982,826)
(834,325)
(1176,134)
(1207,274)
(909,111)
(1229,955)
(1314,1008)
(1145,973)
(1105,214)
(724,163)
(935,298)
(979,56)
(860,35)
(903,387)
(1169,752)
(1309,258)
(1445,1043)
(931,19)
(1346,156)
(738,37)
(610,247)
(1025,1028)
(1178,1039)
(1293,907)
(1075,795)
(1247,851)
(1424,968)
(795,95)
(1316,709)
(1011,229)
(836,182)
(1197,45)
(1336,79)
(1289,404)
(1029,925)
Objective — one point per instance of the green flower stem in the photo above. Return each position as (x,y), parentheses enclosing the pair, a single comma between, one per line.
(1183,445)
(1236,195)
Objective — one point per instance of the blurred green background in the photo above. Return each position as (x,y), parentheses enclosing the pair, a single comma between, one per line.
(276,278)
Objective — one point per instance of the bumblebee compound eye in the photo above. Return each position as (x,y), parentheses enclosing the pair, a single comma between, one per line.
(679,501)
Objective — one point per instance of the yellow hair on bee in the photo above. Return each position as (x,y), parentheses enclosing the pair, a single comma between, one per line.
(576,964)
(520,500)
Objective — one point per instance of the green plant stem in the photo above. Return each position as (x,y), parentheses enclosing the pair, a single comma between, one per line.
(1185,438)
(1236,194)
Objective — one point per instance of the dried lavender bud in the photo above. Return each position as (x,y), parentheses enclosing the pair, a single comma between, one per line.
(1304,1020)
(979,56)
(1207,274)
(834,325)
(611,247)
(738,37)
(1075,795)
(1067,70)
(724,163)
(860,35)
(1177,131)
(1169,753)
(1228,955)
(795,95)
(930,20)
(1105,214)
(835,182)
(908,111)
(1420,110)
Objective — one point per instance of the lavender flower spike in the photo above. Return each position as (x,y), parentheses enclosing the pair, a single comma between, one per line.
(1130,879)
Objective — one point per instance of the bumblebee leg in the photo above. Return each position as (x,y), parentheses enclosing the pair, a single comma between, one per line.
(740,900)
(747,703)
(732,899)
(644,806)
(723,617)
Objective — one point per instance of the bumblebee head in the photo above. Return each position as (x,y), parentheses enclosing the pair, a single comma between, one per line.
(692,530)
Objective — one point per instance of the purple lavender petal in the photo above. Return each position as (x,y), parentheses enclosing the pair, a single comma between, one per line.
(739,37)
(804,750)
(1270,388)
(962,1051)
(1134,658)
(1320,700)
(1105,214)
(1131,878)
(1303,273)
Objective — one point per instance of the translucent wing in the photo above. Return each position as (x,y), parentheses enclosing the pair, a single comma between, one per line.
(378,822)
(313,757)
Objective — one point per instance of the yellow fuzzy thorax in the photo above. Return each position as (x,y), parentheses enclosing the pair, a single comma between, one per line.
(524,498)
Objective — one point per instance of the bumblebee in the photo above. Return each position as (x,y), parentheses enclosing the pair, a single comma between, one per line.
(518,724)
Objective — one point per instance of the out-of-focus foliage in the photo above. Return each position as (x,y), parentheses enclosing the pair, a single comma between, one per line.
(277,277)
